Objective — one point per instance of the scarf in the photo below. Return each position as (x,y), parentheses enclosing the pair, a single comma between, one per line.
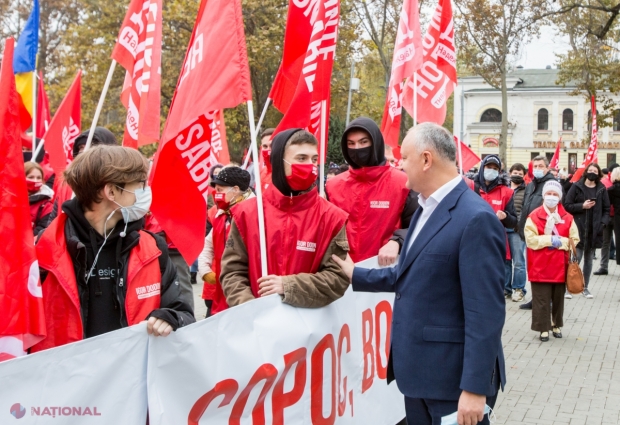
(552,220)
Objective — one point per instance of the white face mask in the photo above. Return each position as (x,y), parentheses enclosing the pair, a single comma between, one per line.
(490,174)
(140,208)
(452,419)
(551,201)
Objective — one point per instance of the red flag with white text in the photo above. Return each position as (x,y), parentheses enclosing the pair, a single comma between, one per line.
(22,322)
(65,127)
(407,59)
(138,50)
(303,81)
(437,76)
(215,75)
(555,161)
(44,116)
(219,143)
(592,155)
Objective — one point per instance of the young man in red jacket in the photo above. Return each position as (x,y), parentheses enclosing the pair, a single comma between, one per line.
(303,230)
(373,193)
(491,187)
(100,271)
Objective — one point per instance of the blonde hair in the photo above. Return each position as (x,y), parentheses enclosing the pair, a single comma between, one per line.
(615,174)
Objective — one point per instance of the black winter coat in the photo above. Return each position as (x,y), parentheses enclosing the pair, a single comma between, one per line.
(589,222)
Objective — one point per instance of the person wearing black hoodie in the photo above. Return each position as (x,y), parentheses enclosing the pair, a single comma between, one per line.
(100,271)
(373,193)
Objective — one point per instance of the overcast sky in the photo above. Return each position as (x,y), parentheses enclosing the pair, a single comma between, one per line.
(540,53)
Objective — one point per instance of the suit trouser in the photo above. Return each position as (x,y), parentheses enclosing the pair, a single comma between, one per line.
(184,279)
(429,412)
(608,233)
(547,306)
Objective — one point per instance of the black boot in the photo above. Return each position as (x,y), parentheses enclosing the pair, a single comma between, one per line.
(601,272)
(526,306)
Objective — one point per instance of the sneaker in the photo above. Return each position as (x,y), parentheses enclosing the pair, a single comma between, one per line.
(517,295)
(557,332)
(601,272)
(544,336)
(568,295)
(587,294)
(526,306)
(507,295)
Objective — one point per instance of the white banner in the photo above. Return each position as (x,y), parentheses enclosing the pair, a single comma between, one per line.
(97,381)
(265,362)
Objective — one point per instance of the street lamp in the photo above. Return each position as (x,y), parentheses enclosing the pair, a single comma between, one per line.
(353,86)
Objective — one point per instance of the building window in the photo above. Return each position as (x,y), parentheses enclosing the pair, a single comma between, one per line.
(617,120)
(611,159)
(534,155)
(567,120)
(590,120)
(543,119)
(491,115)
(549,155)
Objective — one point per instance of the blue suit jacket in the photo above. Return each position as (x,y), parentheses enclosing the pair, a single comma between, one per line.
(449,308)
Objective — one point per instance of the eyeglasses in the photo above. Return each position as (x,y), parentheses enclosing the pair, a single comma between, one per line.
(140,181)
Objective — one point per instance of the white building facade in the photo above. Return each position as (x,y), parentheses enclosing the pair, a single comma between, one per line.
(539,113)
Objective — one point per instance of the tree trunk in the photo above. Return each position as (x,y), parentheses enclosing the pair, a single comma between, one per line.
(503,137)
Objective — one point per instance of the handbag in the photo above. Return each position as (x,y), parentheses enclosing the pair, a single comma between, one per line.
(575,283)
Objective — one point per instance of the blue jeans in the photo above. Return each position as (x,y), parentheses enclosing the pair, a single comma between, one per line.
(517,279)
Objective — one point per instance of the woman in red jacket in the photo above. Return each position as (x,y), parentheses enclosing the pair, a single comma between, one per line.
(547,233)
(39,196)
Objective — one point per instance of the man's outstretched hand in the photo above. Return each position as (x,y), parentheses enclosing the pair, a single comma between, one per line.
(346,265)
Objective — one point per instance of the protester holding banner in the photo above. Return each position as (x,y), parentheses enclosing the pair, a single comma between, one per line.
(373,193)
(232,186)
(39,196)
(101,271)
(446,351)
(303,231)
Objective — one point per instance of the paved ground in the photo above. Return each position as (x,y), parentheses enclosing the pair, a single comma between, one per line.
(574,380)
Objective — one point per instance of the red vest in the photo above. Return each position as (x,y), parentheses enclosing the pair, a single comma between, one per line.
(61,299)
(265,178)
(375,198)
(299,229)
(220,233)
(498,198)
(208,290)
(548,265)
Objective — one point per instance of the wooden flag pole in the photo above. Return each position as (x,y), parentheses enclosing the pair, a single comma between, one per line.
(104,92)
(259,193)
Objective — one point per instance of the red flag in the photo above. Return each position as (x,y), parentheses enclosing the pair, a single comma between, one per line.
(555,161)
(215,75)
(407,59)
(219,144)
(43,109)
(592,155)
(138,50)
(437,77)
(22,322)
(302,84)
(469,157)
(65,127)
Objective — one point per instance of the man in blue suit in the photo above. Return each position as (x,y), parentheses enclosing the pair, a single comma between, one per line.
(449,307)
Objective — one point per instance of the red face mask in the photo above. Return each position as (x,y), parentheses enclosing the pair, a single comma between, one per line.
(267,159)
(303,176)
(221,202)
(33,186)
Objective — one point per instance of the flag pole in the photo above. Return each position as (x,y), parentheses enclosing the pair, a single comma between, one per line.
(258,126)
(323,143)
(415,98)
(104,92)
(35,87)
(35,153)
(259,193)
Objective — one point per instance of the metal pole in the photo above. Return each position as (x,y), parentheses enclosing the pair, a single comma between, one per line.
(35,87)
(350,91)
(258,126)
(104,92)
(322,148)
(259,194)
(415,99)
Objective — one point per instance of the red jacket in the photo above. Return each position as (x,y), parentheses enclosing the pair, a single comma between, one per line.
(208,290)
(60,293)
(220,232)
(299,229)
(375,198)
(548,265)
(498,198)
(265,178)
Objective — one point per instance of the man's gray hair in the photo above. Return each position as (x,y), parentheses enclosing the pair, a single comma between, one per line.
(430,136)
(541,158)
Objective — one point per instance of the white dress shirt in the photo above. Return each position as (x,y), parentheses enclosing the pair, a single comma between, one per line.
(429,205)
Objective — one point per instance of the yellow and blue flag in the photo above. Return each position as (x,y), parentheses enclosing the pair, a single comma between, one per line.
(25,64)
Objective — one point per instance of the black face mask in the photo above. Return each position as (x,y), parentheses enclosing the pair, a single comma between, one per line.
(592,177)
(361,157)
(516,179)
